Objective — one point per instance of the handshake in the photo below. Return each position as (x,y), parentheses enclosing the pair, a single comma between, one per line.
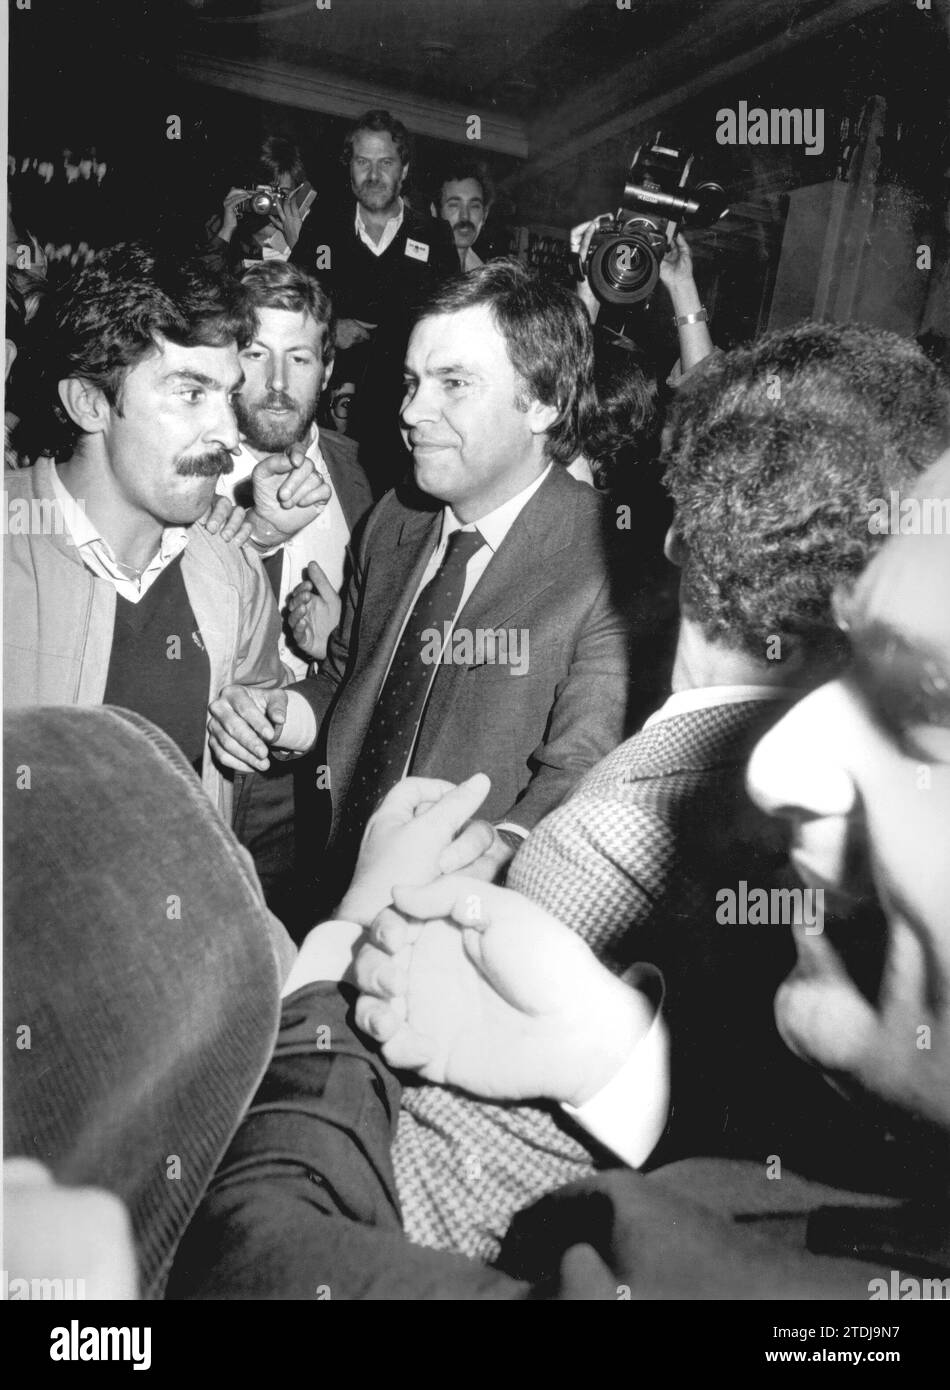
(466,983)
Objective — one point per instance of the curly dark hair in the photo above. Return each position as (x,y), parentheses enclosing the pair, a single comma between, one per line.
(777,451)
(110,315)
(548,336)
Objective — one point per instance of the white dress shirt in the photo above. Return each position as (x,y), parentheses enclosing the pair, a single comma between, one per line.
(389,231)
(99,557)
(468,259)
(628,1115)
(300,728)
(324,539)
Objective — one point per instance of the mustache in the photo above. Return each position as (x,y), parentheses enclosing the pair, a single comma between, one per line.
(277,400)
(465,226)
(206,465)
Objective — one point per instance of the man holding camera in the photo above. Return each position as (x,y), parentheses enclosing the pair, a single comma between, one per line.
(263,222)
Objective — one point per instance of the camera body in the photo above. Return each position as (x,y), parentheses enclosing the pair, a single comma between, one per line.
(265,199)
(623,261)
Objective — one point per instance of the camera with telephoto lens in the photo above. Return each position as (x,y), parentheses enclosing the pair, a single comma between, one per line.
(623,262)
(265,199)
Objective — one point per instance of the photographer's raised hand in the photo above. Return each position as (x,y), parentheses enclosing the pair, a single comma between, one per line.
(229,217)
(692,324)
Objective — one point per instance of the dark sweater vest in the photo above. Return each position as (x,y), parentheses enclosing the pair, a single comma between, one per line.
(159,666)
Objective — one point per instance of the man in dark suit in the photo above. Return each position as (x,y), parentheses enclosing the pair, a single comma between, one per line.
(377,257)
(647,859)
(286,366)
(481,634)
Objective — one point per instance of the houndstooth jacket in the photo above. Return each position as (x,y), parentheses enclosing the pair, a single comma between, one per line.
(632,862)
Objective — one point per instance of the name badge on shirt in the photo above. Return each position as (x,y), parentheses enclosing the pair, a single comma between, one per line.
(418,250)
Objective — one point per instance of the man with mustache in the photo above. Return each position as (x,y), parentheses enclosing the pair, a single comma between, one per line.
(464,202)
(113,594)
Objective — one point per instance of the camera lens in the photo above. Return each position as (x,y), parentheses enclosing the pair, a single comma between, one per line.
(624,268)
(262,203)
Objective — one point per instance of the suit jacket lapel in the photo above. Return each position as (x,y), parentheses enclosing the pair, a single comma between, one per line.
(521,567)
(391,580)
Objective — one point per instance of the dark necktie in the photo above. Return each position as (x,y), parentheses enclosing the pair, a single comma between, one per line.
(406,689)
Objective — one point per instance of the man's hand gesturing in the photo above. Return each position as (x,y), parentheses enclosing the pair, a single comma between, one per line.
(289,493)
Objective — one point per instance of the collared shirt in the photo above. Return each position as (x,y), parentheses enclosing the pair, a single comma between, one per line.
(300,728)
(709,696)
(99,557)
(468,260)
(389,231)
(324,539)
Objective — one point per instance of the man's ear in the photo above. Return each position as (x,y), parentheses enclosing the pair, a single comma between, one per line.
(673,548)
(541,417)
(85,404)
(327,373)
(435,211)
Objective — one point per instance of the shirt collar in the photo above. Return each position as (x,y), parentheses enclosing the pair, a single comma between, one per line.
(710,696)
(495,526)
(391,228)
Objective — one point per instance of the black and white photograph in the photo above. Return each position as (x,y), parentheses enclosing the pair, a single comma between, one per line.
(476,668)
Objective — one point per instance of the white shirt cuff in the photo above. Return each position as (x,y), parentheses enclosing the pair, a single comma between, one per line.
(629,1114)
(518,830)
(326,954)
(299,732)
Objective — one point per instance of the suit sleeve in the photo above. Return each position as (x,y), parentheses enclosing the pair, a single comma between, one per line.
(304,1202)
(445,261)
(588,714)
(256,660)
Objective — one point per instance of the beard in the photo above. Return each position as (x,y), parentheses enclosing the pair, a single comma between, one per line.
(375,197)
(274,434)
(210,464)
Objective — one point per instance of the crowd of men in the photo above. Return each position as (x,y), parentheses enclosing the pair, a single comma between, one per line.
(469,910)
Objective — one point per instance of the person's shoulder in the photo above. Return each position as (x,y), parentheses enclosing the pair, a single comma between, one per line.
(21,482)
(561,490)
(239,565)
(417,220)
(341,451)
(433,231)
